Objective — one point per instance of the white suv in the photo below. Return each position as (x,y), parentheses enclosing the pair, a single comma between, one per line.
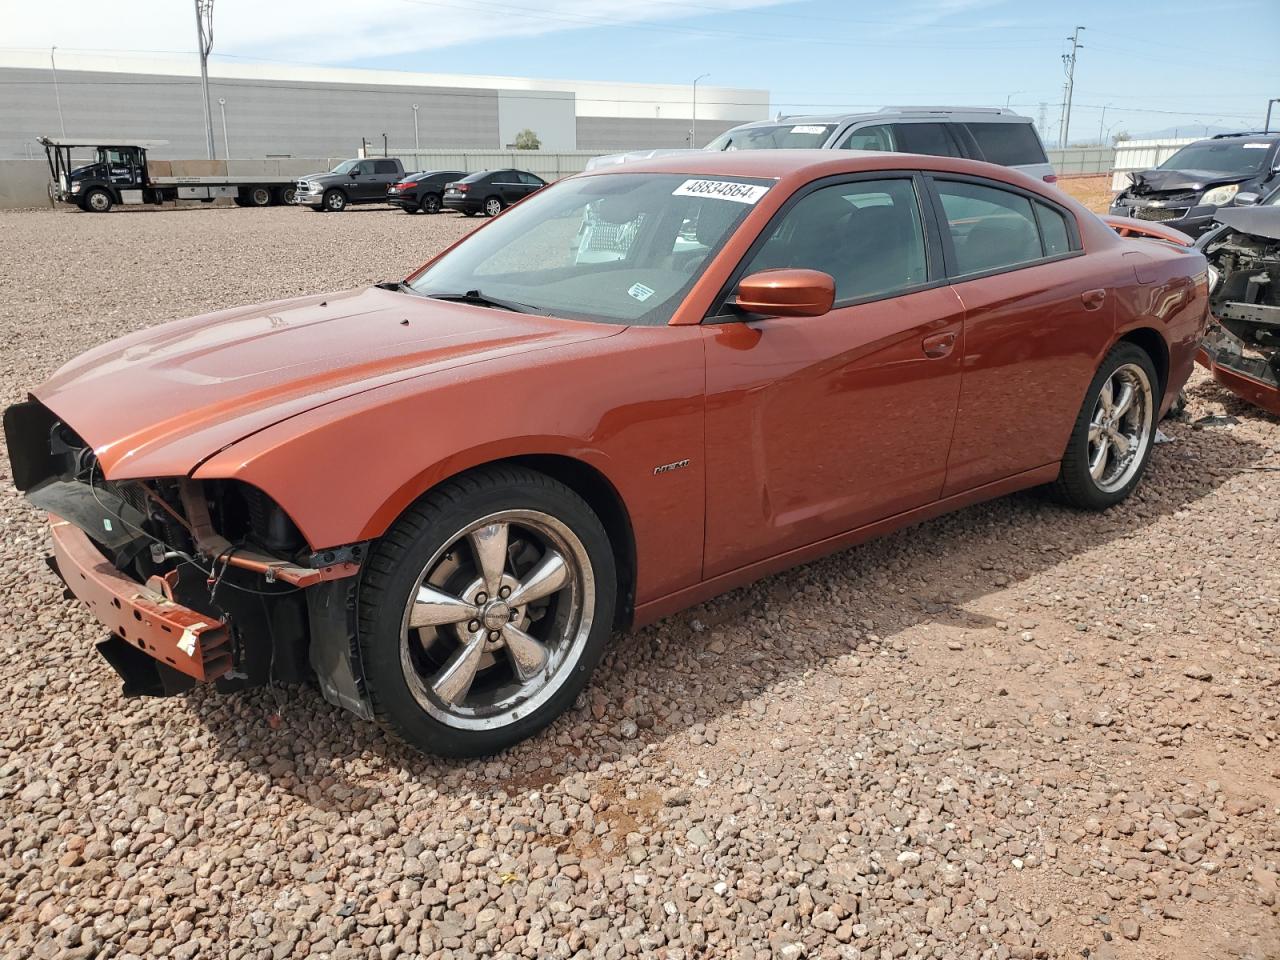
(978,133)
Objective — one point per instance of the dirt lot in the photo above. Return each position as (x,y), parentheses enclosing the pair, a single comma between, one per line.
(1094,192)
(1018,731)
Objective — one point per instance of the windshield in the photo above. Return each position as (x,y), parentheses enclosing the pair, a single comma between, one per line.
(1220,156)
(614,248)
(783,136)
(346,166)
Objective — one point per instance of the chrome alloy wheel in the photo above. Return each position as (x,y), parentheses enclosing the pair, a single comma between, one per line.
(499,619)
(1120,428)
(492,207)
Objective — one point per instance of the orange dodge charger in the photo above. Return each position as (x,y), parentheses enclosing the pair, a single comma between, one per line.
(630,392)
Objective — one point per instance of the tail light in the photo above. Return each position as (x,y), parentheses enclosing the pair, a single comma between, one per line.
(1050,178)
(461,187)
(405,185)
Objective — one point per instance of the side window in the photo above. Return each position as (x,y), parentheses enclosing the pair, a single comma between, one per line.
(1053,230)
(866,235)
(384,166)
(365,168)
(1007,144)
(530,179)
(931,139)
(990,228)
(876,137)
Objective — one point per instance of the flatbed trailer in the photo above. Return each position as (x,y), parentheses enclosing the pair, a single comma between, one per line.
(121,173)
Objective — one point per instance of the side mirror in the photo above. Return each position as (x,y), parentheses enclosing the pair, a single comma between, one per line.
(354,174)
(1243,199)
(790,292)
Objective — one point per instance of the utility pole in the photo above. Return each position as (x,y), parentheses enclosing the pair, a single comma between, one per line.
(1070,61)
(204,36)
(693,130)
(1041,116)
(59,96)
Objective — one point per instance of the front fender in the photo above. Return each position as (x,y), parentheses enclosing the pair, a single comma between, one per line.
(346,470)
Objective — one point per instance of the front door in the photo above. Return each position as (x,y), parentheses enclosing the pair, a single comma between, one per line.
(819,425)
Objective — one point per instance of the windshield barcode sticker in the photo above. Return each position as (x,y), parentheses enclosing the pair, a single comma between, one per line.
(641,292)
(721,190)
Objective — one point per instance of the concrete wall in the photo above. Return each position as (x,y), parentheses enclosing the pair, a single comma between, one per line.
(618,134)
(549,115)
(24,183)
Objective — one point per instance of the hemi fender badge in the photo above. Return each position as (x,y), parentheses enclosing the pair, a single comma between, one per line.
(668,467)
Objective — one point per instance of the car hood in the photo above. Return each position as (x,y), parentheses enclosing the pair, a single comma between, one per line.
(1255,221)
(158,402)
(1158,181)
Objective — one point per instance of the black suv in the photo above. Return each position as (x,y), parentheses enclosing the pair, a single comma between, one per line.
(491,191)
(352,181)
(421,192)
(1187,189)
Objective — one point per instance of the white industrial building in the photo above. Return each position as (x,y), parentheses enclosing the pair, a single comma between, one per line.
(284,110)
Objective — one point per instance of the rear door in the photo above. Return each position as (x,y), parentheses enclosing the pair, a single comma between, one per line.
(1034,322)
(385,173)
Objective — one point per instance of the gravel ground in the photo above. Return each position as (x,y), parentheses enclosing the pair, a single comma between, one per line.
(1018,731)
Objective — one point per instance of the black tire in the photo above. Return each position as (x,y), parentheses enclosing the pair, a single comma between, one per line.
(430,203)
(468,213)
(493,206)
(1075,485)
(335,201)
(97,200)
(240,201)
(401,557)
(257,196)
(283,196)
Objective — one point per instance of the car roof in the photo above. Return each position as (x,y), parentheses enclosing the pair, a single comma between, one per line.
(812,165)
(976,114)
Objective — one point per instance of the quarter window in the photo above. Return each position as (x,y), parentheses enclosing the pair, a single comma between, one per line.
(866,235)
(1053,230)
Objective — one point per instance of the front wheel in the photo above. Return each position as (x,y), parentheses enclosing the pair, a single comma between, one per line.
(484,610)
(335,201)
(1112,438)
(97,200)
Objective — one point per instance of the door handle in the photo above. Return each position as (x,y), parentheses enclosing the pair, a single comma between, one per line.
(1092,299)
(939,345)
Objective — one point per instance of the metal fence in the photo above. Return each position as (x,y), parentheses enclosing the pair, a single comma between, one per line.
(1082,161)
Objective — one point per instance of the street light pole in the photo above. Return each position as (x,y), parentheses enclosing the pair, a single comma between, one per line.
(415,129)
(693,130)
(1010,97)
(1270,103)
(226,144)
(1101,121)
(59,96)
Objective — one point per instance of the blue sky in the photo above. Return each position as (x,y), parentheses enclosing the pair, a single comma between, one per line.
(1217,69)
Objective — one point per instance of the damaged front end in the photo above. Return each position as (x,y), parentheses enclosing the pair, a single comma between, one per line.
(196,581)
(1242,348)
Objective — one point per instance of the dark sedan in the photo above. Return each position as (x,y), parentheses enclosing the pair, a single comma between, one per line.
(491,191)
(422,192)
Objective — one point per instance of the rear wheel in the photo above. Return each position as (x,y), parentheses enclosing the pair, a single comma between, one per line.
(492,207)
(97,200)
(430,203)
(258,196)
(285,195)
(1111,442)
(484,610)
(335,201)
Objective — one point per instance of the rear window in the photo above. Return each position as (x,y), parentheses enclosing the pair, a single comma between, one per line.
(1007,144)
(385,166)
